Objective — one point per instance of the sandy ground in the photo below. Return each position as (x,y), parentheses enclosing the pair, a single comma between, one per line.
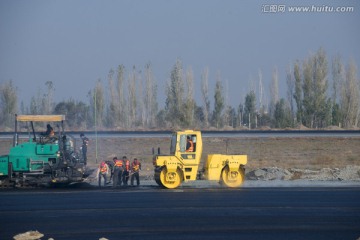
(285,153)
(300,153)
(309,153)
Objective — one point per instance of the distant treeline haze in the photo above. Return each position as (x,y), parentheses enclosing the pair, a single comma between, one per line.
(320,93)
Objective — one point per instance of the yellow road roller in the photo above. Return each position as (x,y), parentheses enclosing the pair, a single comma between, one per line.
(182,165)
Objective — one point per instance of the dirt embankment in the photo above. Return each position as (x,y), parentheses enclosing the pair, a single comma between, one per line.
(348,173)
(293,154)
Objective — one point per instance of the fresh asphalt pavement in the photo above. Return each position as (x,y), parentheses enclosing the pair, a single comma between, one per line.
(189,212)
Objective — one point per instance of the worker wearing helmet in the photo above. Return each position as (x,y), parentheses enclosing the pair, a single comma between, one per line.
(117,171)
(135,168)
(125,176)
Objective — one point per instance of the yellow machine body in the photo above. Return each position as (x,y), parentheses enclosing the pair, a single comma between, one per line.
(182,165)
(216,162)
(186,162)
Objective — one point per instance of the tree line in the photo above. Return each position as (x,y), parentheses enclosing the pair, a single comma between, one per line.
(319,93)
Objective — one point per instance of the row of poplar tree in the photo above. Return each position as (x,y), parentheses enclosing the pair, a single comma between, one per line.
(319,94)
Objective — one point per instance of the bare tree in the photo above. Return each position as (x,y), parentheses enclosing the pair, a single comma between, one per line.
(132,97)
(290,81)
(218,102)
(190,102)
(122,111)
(320,85)
(175,96)
(97,103)
(100,102)
(308,93)
(42,103)
(316,109)
(36,103)
(261,93)
(205,95)
(8,103)
(140,102)
(338,77)
(47,101)
(350,97)
(150,96)
(226,116)
(112,109)
(274,91)
(250,109)
(298,94)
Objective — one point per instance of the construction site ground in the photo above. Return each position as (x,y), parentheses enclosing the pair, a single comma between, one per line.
(274,159)
(334,159)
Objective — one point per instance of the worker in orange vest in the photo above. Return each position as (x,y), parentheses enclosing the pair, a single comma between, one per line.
(103,172)
(125,176)
(135,168)
(117,171)
(49,131)
(189,145)
(49,134)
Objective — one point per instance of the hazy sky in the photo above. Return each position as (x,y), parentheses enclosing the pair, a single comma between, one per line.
(74,43)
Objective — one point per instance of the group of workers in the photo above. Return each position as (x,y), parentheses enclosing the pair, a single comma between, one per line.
(119,170)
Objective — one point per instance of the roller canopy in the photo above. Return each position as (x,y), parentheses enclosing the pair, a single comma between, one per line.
(40,118)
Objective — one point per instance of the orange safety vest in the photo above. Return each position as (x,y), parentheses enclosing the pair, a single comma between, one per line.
(103,168)
(51,134)
(127,165)
(118,163)
(191,148)
(135,166)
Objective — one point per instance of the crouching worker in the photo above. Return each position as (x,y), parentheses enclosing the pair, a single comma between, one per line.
(104,172)
(111,169)
(135,168)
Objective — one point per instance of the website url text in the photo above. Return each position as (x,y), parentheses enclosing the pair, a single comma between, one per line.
(280,8)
